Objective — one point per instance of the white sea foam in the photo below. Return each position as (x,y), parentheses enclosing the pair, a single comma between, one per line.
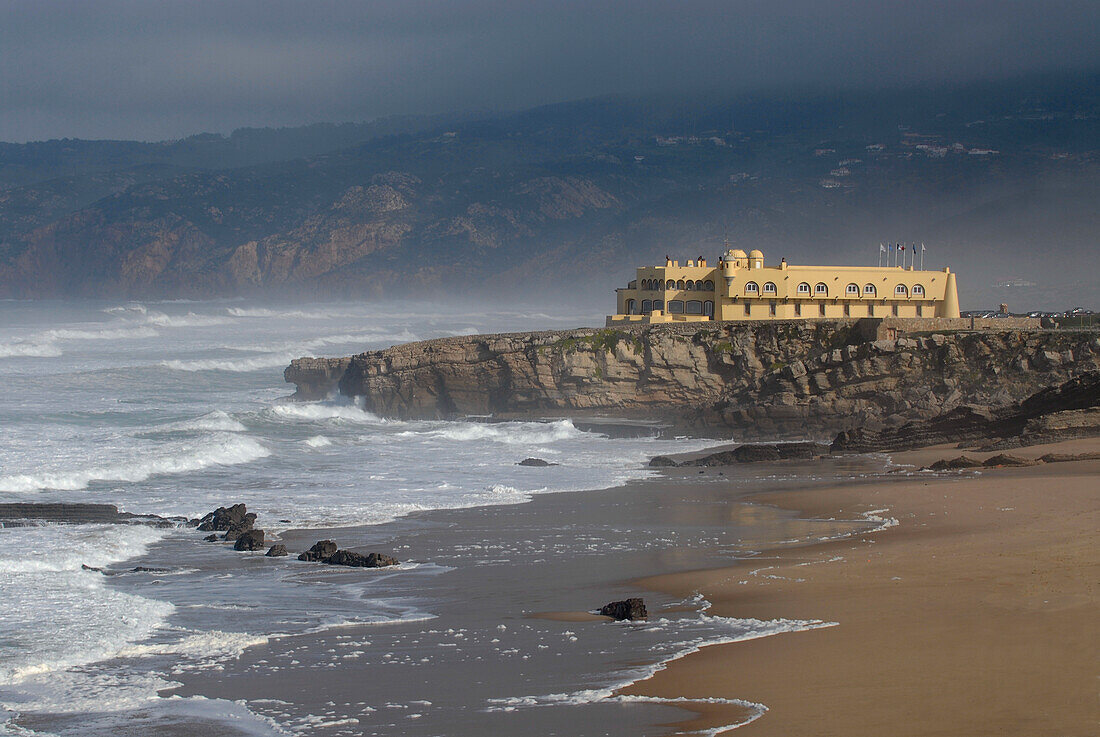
(317,441)
(510,433)
(29,349)
(234,365)
(190,320)
(222,449)
(292,314)
(40,568)
(321,412)
(216,421)
(711,631)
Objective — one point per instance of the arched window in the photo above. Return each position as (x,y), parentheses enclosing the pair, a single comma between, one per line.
(647,306)
(708,308)
(752,288)
(869,290)
(769,287)
(658,304)
(694,307)
(803,288)
(821,289)
(901,291)
(675,307)
(690,285)
(852,289)
(630,305)
(670,284)
(679,283)
(708,285)
(918,290)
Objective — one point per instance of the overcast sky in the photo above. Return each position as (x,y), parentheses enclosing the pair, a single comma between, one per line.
(153,70)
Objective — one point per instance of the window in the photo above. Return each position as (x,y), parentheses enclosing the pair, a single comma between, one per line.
(869,290)
(821,289)
(748,309)
(694,307)
(670,284)
(823,309)
(658,304)
(708,285)
(708,308)
(895,310)
(803,288)
(769,288)
(901,290)
(798,308)
(918,290)
(852,289)
(679,283)
(675,307)
(630,305)
(771,306)
(920,310)
(847,308)
(752,288)
(647,306)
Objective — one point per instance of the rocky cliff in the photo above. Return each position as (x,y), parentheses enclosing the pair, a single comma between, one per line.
(768,379)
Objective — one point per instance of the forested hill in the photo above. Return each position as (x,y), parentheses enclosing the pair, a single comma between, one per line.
(1000,181)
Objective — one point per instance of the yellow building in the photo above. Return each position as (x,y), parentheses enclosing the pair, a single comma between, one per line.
(741,287)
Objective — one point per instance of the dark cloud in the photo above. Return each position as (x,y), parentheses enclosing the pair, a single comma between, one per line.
(152,70)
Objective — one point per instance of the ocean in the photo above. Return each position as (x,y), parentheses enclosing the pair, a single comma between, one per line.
(176,408)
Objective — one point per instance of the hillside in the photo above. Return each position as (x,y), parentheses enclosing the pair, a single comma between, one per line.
(1000,181)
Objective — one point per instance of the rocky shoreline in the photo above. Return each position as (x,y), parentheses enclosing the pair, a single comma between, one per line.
(774,379)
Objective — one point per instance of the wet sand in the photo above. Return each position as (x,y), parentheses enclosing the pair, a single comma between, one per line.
(977,614)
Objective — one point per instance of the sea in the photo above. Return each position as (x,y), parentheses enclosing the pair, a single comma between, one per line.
(175,408)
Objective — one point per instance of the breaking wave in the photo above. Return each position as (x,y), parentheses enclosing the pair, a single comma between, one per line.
(222,450)
(323,412)
(235,365)
(509,433)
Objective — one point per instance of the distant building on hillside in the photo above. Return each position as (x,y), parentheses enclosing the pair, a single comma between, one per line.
(741,287)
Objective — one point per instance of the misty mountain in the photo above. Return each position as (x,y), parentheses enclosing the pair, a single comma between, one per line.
(999,180)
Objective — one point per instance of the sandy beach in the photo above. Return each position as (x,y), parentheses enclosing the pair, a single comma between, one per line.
(976,614)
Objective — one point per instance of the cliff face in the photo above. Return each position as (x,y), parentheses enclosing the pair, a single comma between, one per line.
(784,378)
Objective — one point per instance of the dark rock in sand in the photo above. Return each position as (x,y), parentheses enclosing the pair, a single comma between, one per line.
(224,518)
(536,462)
(372,560)
(633,608)
(148,569)
(320,551)
(277,550)
(759,453)
(241,527)
(93,569)
(250,540)
(954,464)
(1067,457)
(662,462)
(1009,460)
(211,538)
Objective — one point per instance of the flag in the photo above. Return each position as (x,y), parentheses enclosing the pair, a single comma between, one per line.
(881,248)
(922,248)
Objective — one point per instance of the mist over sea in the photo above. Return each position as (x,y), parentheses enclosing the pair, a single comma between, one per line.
(175,408)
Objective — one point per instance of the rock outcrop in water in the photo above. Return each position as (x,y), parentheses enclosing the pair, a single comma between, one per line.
(752,379)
